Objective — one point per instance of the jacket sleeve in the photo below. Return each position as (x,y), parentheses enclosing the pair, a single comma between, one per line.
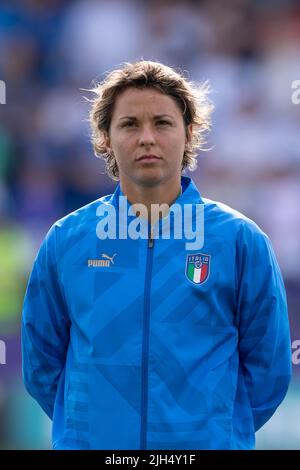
(45,327)
(264,333)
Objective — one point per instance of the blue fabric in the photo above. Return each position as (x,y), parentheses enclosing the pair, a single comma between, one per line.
(133,354)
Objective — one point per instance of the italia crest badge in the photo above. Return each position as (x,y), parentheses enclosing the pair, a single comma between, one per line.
(197,268)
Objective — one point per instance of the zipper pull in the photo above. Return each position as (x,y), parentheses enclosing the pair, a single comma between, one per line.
(150,238)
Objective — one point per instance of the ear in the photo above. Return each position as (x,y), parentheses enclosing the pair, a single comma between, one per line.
(107,141)
(189,133)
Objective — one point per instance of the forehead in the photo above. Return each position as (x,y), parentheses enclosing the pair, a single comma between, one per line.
(134,101)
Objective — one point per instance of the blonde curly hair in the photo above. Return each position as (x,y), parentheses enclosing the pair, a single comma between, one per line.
(191,98)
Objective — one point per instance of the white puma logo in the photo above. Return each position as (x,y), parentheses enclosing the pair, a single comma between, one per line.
(111,258)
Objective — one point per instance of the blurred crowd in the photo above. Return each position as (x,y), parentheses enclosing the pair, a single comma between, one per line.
(52,51)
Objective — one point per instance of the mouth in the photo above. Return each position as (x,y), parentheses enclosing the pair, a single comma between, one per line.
(151,158)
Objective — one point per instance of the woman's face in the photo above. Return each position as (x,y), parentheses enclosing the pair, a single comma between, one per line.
(147,122)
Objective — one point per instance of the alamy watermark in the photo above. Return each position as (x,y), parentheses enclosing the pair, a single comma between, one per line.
(2,352)
(188,222)
(2,92)
(296,94)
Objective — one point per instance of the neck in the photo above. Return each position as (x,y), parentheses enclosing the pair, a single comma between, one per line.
(156,194)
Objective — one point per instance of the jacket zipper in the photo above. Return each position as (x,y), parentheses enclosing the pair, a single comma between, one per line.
(145,347)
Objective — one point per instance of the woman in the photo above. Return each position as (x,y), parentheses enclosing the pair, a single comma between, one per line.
(135,343)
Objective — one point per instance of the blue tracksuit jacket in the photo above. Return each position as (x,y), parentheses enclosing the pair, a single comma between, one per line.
(137,344)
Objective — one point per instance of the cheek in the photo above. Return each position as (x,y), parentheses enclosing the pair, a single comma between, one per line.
(124,143)
(123,149)
(118,146)
(176,143)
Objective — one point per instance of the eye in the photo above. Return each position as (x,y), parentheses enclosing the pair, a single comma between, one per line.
(129,124)
(163,122)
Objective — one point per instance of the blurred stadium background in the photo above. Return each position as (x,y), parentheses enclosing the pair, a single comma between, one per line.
(50,49)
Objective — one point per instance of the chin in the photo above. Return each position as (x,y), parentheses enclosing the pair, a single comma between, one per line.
(149,180)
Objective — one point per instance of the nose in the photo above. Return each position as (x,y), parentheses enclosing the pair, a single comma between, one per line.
(146,136)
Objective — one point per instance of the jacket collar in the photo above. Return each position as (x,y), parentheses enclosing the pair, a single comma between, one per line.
(190,194)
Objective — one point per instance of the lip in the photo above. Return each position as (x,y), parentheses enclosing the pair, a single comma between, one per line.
(148,158)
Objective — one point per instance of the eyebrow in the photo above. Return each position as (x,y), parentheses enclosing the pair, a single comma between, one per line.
(157,116)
